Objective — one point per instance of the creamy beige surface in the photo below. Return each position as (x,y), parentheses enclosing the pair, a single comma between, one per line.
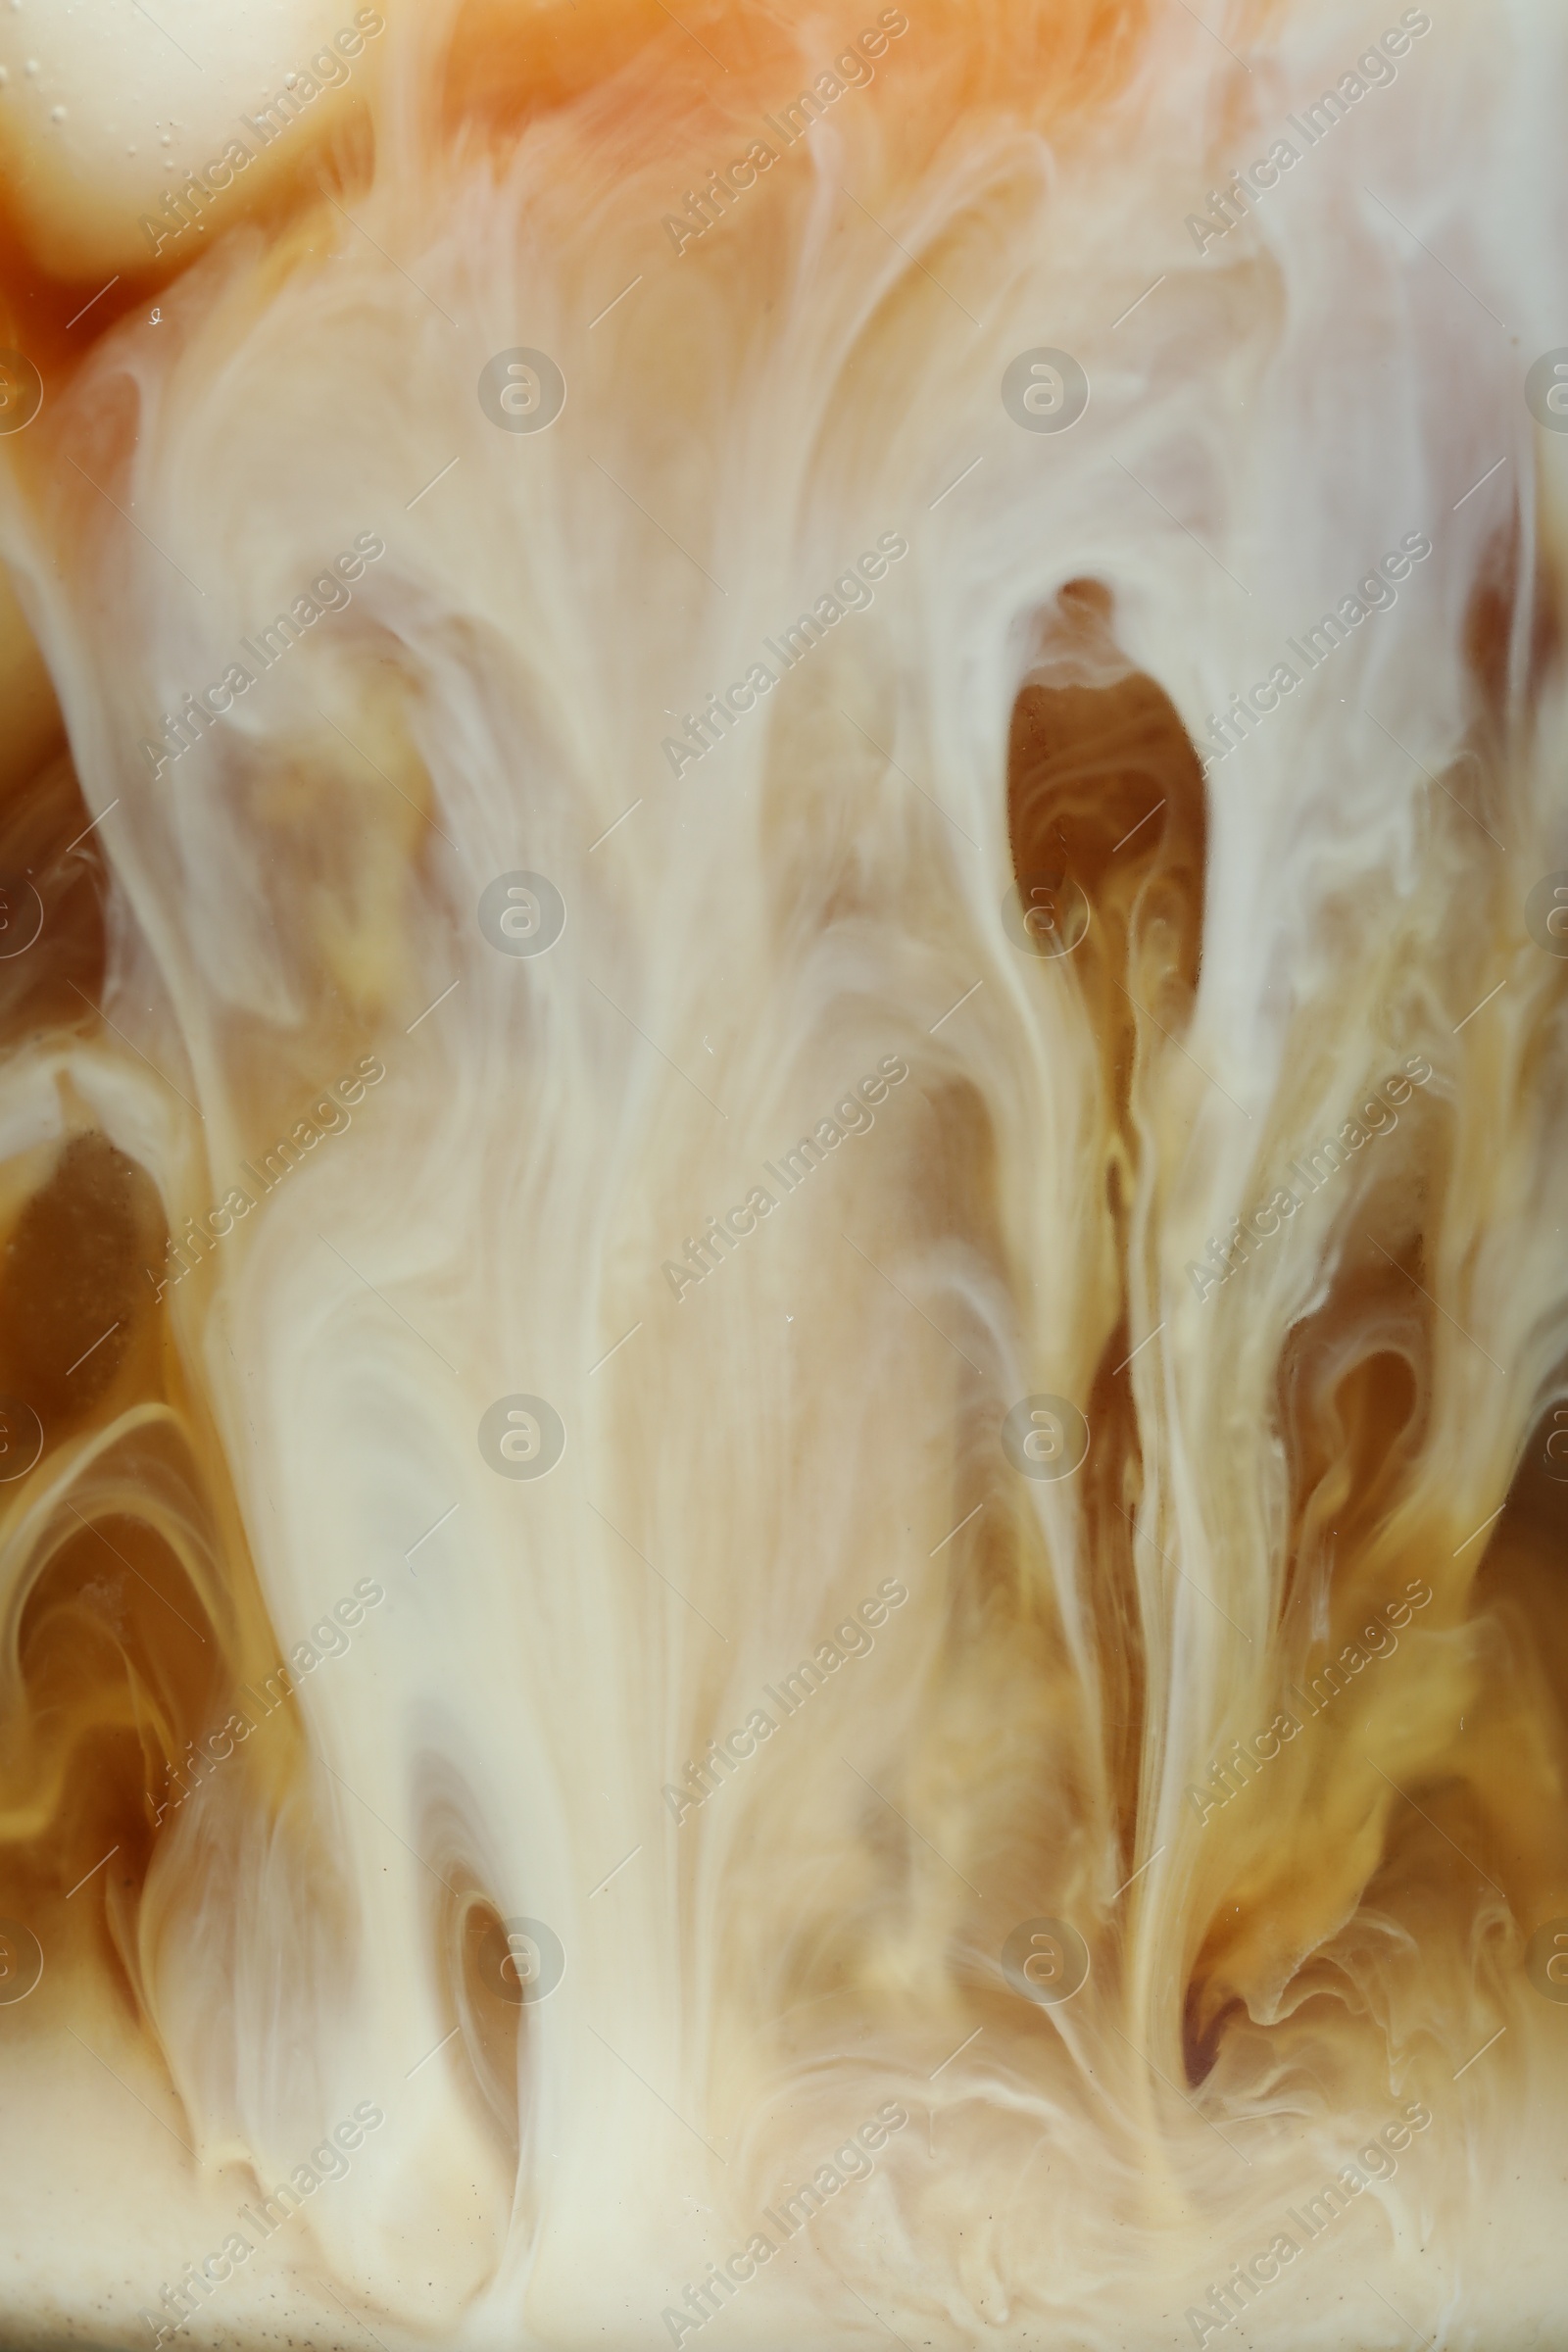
(1277,1462)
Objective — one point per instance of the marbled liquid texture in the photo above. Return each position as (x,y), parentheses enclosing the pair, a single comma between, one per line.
(783,1313)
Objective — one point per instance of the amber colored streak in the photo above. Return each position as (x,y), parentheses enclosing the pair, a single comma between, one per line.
(118,1671)
(1354,1383)
(649,90)
(1476,1737)
(58,320)
(35,731)
(124,1644)
(1477,1743)
(508,65)
(37,308)
(1089,767)
(1355,1377)
(124,1650)
(74,1303)
(700,72)
(1514,1747)
(133,1614)
(48,847)
(468,1930)
(111,1663)
(1431,1785)
(1356,1418)
(1489,620)
(47,850)
(1106,797)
